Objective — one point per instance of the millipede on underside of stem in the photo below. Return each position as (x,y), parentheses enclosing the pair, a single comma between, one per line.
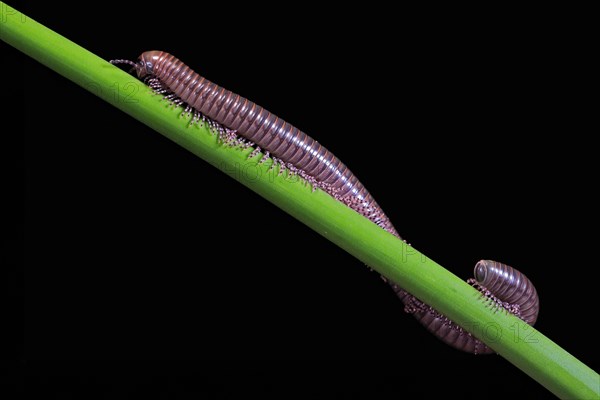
(240,122)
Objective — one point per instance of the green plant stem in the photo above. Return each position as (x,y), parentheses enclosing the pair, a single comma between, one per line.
(521,344)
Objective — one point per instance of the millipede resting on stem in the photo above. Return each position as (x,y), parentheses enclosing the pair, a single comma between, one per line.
(240,122)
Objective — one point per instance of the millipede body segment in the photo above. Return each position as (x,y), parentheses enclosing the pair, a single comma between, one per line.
(240,120)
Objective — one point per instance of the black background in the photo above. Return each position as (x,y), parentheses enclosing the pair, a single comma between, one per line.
(145,267)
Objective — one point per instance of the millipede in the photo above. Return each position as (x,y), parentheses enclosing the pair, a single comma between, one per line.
(241,122)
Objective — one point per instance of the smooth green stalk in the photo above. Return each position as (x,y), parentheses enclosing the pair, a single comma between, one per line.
(521,344)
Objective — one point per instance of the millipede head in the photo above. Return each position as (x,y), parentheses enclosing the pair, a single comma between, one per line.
(144,65)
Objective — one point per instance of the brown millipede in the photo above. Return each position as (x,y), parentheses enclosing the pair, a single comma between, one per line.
(503,286)
(239,121)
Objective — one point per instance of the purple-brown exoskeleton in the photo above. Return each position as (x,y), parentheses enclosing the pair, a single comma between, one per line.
(240,122)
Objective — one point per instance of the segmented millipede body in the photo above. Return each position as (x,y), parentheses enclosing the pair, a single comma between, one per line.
(509,286)
(503,286)
(239,120)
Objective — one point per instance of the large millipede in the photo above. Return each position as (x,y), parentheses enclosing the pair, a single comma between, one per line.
(242,122)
